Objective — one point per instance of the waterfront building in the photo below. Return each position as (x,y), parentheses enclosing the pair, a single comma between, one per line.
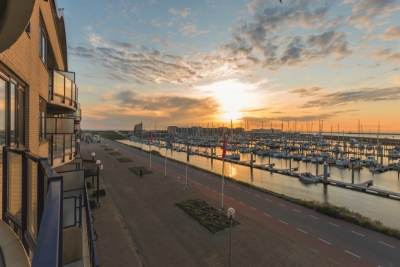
(43,222)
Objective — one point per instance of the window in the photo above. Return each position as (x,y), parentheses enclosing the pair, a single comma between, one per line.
(12,111)
(20,118)
(43,45)
(3,88)
(42,119)
(17,115)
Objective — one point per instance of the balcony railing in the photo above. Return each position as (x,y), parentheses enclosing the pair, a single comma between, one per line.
(26,178)
(35,207)
(62,148)
(62,89)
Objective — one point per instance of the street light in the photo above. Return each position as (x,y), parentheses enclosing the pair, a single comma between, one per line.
(231,214)
(99,167)
(93,154)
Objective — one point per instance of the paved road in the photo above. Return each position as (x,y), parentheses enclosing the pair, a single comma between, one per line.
(271,230)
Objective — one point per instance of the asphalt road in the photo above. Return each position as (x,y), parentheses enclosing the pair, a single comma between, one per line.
(300,231)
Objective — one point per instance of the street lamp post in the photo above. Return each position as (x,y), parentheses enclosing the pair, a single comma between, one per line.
(231,214)
(99,167)
(93,154)
(165,162)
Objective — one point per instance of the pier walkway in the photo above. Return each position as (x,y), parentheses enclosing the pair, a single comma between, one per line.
(272,231)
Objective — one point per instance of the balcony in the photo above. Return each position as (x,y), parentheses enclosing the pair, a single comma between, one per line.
(63,93)
(48,211)
(61,135)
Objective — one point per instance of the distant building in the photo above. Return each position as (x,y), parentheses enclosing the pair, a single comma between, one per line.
(138,130)
(200,131)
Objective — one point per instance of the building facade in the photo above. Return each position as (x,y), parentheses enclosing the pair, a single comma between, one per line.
(39,131)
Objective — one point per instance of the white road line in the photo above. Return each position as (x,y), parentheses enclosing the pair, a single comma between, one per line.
(257,195)
(324,241)
(282,221)
(334,224)
(386,244)
(267,199)
(296,210)
(253,208)
(301,230)
(352,254)
(282,205)
(267,214)
(314,217)
(357,233)
(241,203)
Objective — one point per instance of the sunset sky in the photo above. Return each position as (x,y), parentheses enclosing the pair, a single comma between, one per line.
(186,63)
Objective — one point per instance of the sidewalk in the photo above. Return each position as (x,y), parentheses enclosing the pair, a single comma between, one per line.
(115,246)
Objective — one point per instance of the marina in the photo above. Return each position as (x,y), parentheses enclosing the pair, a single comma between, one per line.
(307,176)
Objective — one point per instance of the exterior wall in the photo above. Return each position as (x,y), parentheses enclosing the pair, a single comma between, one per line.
(23,60)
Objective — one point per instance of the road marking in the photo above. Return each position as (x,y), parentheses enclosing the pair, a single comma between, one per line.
(357,233)
(282,221)
(267,199)
(282,205)
(352,254)
(334,224)
(296,210)
(314,217)
(303,231)
(267,214)
(324,241)
(386,244)
(257,195)
(253,208)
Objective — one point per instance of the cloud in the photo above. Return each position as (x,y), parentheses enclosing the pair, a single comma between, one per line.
(391,33)
(364,11)
(387,55)
(184,12)
(306,92)
(125,62)
(170,106)
(358,95)
(301,117)
(191,30)
(268,38)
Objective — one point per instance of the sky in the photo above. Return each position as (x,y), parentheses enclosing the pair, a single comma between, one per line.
(306,65)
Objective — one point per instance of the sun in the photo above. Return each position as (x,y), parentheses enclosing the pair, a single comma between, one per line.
(233,97)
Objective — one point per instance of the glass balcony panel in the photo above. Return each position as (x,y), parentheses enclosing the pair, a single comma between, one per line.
(32,197)
(58,84)
(68,145)
(58,145)
(68,88)
(65,125)
(73,91)
(14,204)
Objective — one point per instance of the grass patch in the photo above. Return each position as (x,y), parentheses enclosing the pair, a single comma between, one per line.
(124,159)
(112,135)
(136,170)
(108,149)
(114,153)
(212,219)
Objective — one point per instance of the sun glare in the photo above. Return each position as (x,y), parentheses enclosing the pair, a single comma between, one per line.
(233,97)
